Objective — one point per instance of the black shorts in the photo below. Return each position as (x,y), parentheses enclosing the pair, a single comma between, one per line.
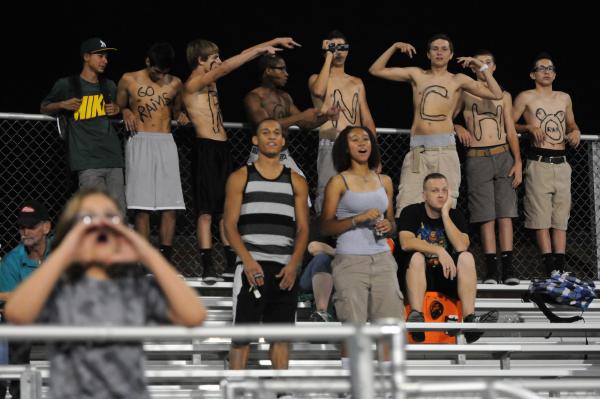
(434,275)
(211,166)
(274,306)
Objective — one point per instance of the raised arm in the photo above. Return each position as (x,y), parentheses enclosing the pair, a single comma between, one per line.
(492,91)
(459,240)
(380,69)
(198,82)
(286,42)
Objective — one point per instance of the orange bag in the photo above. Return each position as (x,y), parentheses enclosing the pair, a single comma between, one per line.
(436,308)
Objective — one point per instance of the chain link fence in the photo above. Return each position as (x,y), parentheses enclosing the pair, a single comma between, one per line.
(34,166)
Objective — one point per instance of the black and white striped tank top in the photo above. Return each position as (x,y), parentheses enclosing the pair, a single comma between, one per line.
(267,222)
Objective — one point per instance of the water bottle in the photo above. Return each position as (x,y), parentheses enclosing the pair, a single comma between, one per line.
(378,234)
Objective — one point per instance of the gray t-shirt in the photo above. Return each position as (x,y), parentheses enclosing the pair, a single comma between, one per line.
(82,370)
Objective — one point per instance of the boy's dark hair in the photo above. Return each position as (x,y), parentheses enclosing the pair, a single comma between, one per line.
(336,34)
(161,55)
(442,36)
(542,56)
(341,154)
(483,51)
(268,61)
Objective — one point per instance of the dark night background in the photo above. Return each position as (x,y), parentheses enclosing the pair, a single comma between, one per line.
(40,43)
(43,44)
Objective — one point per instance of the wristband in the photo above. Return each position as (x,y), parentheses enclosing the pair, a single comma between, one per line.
(484,67)
(353,222)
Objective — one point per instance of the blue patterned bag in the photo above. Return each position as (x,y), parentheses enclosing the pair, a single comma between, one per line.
(561,289)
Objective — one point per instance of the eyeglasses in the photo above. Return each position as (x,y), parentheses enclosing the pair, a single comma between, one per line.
(89,218)
(543,68)
(281,68)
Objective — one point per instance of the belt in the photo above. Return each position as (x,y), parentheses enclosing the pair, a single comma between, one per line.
(416,154)
(541,158)
(487,152)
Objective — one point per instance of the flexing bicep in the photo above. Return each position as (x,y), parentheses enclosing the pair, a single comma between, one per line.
(476,88)
(397,74)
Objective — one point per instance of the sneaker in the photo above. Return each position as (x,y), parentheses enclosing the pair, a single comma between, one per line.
(416,317)
(491,278)
(489,317)
(320,316)
(210,276)
(510,279)
(508,276)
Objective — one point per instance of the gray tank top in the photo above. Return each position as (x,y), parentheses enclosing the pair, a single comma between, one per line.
(361,240)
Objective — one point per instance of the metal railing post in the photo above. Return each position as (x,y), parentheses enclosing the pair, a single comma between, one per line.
(398,361)
(361,365)
(31,384)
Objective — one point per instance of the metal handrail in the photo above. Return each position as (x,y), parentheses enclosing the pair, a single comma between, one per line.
(230,125)
(359,339)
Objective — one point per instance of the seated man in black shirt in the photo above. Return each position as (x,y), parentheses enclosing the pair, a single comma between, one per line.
(434,243)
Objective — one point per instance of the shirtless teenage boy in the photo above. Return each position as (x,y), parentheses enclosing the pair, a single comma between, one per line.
(494,171)
(551,123)
(270,100)
(149,99)
(212,163)
(435,97)
(333,87)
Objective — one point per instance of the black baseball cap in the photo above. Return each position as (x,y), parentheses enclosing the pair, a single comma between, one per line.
(31,213)
(95,45)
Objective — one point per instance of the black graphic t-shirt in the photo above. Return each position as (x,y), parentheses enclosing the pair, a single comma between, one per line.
(414,218)
(93,142)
